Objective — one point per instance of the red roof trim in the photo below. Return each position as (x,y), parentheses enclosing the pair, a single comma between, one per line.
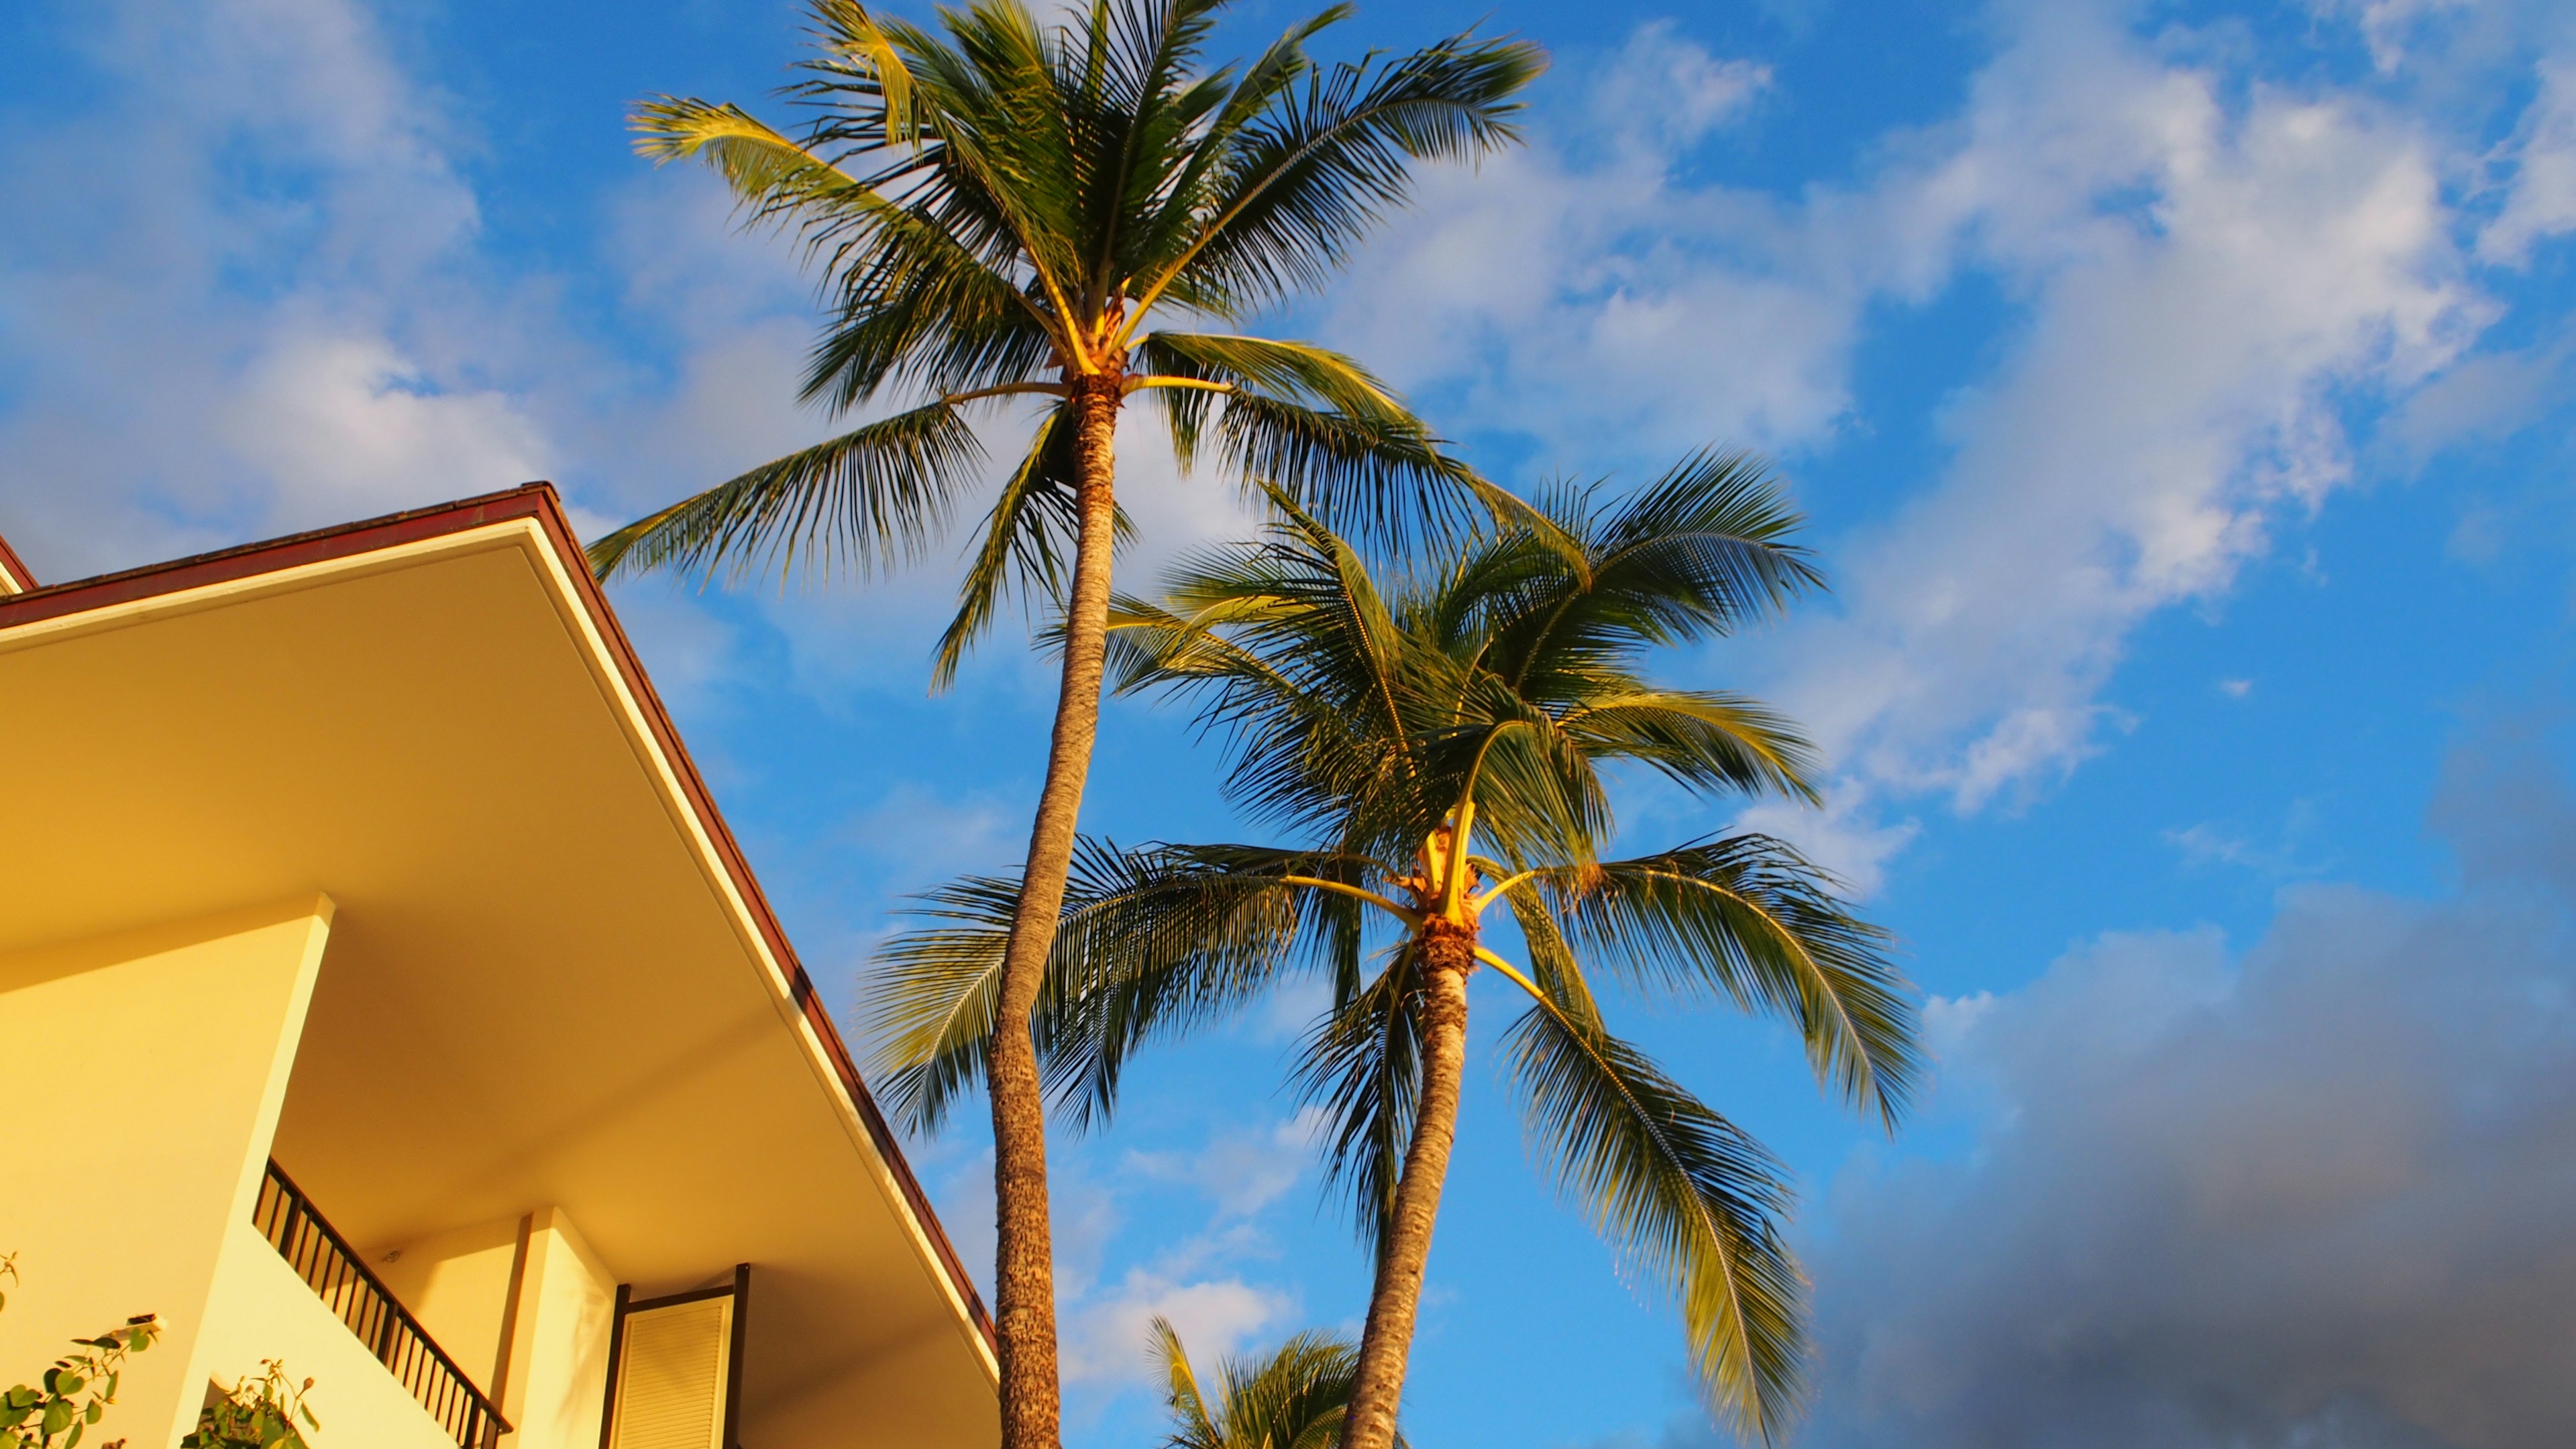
(19,578)
(537,501)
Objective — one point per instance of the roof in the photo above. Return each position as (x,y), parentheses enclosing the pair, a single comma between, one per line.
(14,578)
(366,562)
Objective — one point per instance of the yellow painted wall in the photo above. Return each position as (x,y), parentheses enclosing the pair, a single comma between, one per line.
(146,1070)
(458,1285)
(559,1348)
(261,1310)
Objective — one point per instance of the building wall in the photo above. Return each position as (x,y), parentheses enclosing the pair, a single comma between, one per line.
(458,1285)
(261,1310)
(558,1374)
(150,1066)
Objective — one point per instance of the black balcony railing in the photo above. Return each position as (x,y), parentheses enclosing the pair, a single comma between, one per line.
(325,1260)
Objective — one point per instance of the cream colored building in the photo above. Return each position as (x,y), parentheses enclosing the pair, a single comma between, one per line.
(381,993)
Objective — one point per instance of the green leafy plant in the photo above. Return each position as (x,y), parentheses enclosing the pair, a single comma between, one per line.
(256,1413)
(74,1394)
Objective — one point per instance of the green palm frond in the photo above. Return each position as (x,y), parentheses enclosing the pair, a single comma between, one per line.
(1152,942)
(1384,480)
(1710,742)
(1027,545)
(932,999)
(1193,1427)
(1293,1397)
(755,160)
(1749,919)
(1326,157)
(871,497)
(1691,1201)
(1694,555)
(1362,1063)
(1297,371)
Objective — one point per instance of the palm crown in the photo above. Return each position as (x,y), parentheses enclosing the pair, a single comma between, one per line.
(1438,743)
(1024,212)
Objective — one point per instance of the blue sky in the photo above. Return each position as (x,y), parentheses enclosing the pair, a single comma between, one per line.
(2182,397)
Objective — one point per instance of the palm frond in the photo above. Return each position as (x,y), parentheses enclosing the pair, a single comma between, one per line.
(1707,741)
(1692,1202)
(754,159)
(1192,1426)
(1151,942)
(1363,1064)
(1299,371)
(1028,542)
(1327,157)
(1748,918)
(870,498)
(1293,1397)
(1384,480)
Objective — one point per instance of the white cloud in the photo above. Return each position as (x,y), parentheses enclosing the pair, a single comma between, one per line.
(2176,394)
(1661,91)
(1582,291)
(931,835)
(219,357)
(346,425)
(1243,1169)
(2387,26)
(2541,199)
(1108,1341)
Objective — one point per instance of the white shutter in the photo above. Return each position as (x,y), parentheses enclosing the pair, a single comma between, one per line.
(671,1376)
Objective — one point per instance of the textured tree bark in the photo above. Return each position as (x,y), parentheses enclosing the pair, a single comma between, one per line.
(1024,1273)
(1448,955)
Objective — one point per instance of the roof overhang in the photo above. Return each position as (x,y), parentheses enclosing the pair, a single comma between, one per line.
(552,978)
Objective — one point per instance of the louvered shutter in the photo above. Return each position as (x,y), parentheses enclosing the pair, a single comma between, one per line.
(674,1368)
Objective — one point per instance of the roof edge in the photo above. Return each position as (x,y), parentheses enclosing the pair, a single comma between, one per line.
(14,578)
(539,502)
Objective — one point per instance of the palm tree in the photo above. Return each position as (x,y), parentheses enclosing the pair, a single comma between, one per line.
(1439,744)
(1014,213)
(1294,1399)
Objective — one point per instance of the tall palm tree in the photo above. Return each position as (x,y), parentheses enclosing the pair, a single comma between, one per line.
(1293,1399)
(1014,213)
(1438,744)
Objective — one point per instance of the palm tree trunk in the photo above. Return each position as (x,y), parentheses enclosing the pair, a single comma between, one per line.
(1447,955)
(1024,1273)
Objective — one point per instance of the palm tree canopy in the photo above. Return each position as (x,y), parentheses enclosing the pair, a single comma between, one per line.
(1468,711)
(1009,212)
(1292,1399)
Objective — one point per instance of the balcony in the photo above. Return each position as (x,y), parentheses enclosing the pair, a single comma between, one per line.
(333,1270)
